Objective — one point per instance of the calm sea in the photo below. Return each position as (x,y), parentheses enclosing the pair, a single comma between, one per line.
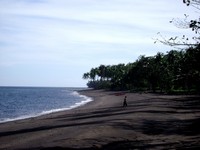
(25,102)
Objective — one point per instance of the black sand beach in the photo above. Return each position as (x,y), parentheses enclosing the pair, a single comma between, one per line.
(150,121)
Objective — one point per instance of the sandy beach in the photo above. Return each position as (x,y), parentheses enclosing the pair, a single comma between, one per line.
(150,121)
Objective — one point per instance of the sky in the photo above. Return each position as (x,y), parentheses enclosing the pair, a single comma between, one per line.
(54,42)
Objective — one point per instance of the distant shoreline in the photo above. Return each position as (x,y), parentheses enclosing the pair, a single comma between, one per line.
(149,121)
(46,112)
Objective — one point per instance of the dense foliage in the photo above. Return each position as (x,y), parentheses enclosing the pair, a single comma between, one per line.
(176,71)
(173,71)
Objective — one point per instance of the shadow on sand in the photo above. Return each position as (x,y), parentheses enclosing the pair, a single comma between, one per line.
(164,127)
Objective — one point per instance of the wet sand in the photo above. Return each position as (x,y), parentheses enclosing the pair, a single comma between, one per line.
(150,121)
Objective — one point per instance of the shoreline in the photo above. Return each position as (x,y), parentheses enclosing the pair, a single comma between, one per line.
(47,112)
(150,121)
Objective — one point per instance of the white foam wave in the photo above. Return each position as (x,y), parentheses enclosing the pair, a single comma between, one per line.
(75,93)
(78,104)
(19,118)
(86,100)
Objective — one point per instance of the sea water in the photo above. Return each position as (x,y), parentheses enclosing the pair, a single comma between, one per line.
(26,102)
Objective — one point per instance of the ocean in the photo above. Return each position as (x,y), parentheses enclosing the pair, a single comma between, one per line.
(25,102)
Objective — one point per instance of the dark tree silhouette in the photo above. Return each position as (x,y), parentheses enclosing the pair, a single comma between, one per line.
(177,71)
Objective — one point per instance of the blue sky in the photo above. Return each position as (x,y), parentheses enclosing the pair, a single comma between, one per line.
(53,42)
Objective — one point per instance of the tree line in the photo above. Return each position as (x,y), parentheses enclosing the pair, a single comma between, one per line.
(177,71)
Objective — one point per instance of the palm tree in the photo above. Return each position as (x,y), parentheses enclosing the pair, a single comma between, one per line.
(93,73)
(86,75)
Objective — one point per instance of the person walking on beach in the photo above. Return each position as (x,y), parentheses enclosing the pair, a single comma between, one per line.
(125,102)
